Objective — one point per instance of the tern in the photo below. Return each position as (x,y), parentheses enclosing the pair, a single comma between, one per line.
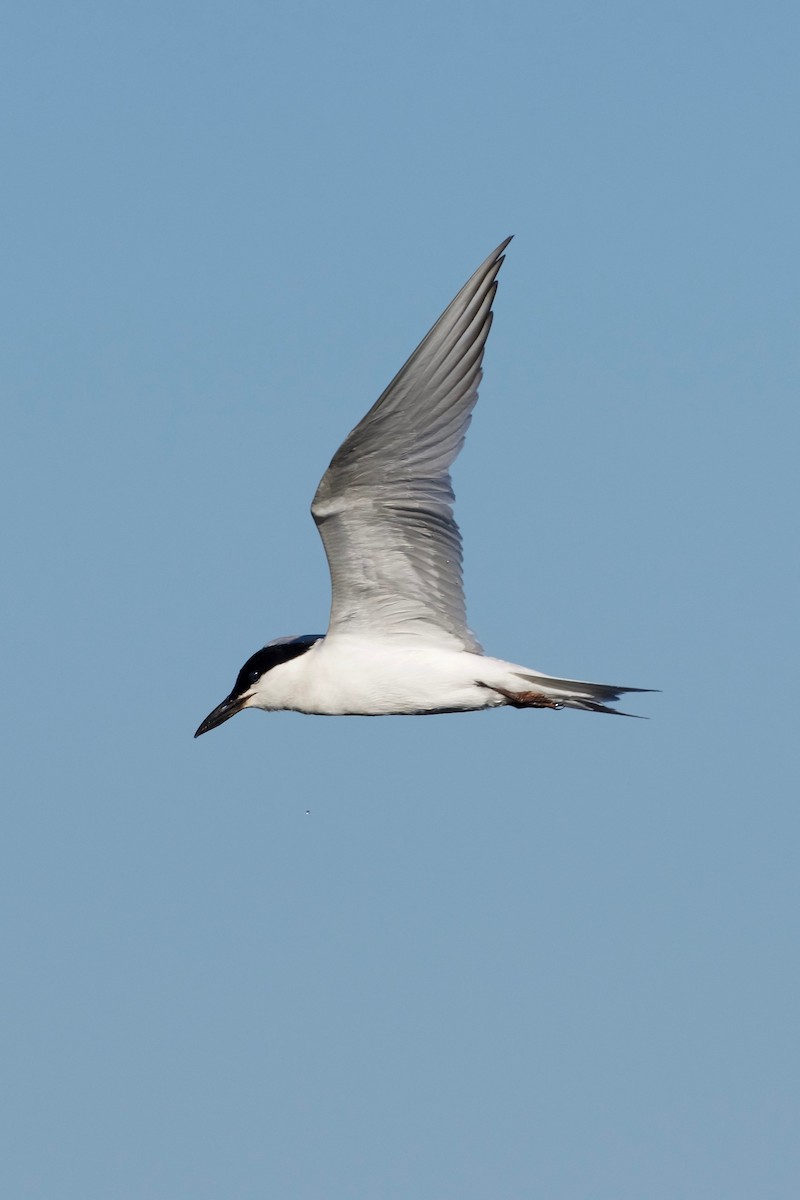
(398,640)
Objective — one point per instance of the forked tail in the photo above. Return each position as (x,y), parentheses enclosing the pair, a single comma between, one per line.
(545,691)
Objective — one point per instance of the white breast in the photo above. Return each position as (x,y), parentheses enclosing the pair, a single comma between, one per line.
(346,674)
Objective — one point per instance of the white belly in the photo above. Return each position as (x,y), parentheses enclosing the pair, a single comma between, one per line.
(357,676)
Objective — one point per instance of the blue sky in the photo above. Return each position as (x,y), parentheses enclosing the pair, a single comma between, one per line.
(509,954)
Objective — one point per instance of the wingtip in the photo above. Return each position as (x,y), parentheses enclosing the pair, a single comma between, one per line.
(503,247)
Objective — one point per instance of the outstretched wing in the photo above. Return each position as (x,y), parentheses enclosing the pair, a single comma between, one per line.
(384,507)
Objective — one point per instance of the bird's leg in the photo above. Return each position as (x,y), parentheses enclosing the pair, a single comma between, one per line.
(528,699)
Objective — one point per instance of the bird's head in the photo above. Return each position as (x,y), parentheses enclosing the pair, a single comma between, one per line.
(245,692)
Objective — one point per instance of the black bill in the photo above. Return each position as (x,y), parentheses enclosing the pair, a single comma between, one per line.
(230,706)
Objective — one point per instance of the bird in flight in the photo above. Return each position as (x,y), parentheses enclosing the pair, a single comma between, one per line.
(398,640)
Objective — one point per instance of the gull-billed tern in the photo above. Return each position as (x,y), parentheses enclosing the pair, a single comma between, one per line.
(398,639)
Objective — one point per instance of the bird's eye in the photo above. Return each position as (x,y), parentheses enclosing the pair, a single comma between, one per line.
(254,676)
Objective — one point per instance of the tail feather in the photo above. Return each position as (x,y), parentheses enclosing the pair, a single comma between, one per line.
(575,693)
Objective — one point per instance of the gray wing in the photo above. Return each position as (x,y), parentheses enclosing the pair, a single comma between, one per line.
(384,507)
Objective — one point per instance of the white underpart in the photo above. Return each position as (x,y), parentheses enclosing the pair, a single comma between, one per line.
(372,677)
